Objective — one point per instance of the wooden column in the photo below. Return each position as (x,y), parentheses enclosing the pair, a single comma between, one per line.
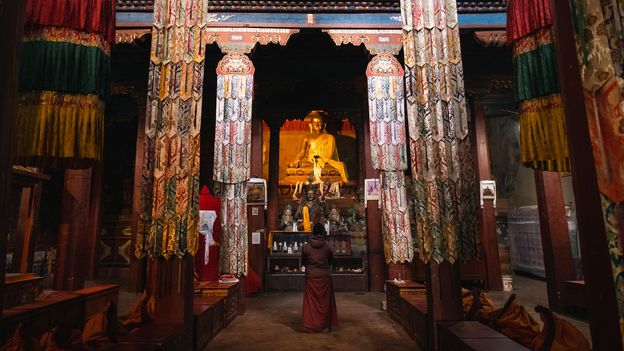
(11,26)
(487,218)
(256,213)
(273,181)
(138,266)
(555,238)
(376,261)
(95,221)
(30,200)
(71,256)
(600,290)
(171,284)
(443,297)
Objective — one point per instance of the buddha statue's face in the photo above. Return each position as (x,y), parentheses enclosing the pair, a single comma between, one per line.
(316,125)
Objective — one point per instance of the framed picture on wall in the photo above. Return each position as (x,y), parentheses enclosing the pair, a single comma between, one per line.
(372,189)
(488,191)
(256,192)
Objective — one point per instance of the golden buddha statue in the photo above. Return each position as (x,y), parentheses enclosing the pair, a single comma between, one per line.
(318,149)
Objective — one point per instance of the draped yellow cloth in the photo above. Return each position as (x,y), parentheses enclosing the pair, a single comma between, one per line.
(306,219)
(543,138)
(59,129)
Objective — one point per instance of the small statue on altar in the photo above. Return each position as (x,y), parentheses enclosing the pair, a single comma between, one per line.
(319,149)
(334,219)
(309,209)
(287,218)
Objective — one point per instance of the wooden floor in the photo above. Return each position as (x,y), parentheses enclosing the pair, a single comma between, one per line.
(273,322)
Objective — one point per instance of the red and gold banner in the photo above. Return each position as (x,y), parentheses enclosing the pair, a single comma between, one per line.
(543,140)
(64,82)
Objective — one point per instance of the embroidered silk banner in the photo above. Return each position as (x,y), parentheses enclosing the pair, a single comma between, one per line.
(64,82)
(232,156)
(169,223)
(543,140)
(388,153)
(441,157)
(599,37)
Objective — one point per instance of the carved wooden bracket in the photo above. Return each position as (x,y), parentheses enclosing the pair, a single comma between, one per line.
(376,41)
(491,38)
(243,40)
(128,36)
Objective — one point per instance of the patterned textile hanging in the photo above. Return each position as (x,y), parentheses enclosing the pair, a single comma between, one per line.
(601,58)
(169,222)
(388,153)
(543,142)
(64,82)
(233,156)
(441,157)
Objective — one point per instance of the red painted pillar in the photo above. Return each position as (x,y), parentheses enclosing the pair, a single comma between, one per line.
(11,27)
(71,254)
(600,289)
(555,238)
(376,261)
(138,266)
(489,240)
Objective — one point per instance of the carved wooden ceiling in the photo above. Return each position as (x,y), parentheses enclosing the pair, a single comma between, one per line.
(463,6)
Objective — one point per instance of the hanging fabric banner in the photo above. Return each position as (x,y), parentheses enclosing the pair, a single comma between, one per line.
(441,157)
(232,156)
(599,37)
(64,82)
(388,153)
(543,142)
(169,222)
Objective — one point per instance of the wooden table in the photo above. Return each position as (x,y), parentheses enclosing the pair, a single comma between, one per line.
(230,291)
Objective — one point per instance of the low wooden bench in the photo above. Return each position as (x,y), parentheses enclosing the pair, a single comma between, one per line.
(96,298)
(232,294)
(208,319)
(157,336)
(473,336)
(573,294)
(42,315)
(414,318)
(396,290)
(70,308)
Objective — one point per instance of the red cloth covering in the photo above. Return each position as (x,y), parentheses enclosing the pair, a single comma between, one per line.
(319,304)
(93,16)
(527,16)
(253,283)
(209,272)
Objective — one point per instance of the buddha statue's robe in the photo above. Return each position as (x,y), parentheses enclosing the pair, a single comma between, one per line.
(322,150)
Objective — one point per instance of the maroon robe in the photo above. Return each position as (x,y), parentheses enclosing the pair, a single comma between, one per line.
(319,303)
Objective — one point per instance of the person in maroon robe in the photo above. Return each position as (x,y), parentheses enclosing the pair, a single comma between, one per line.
(319,304)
